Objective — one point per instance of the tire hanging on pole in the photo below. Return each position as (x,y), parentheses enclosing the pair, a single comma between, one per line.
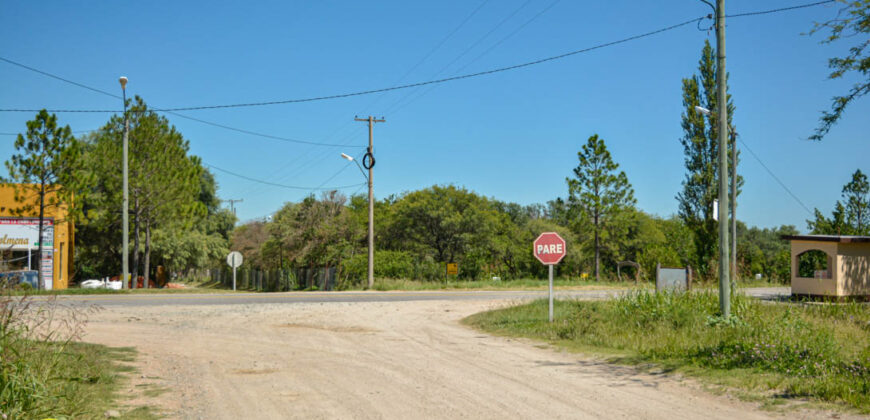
(368,161)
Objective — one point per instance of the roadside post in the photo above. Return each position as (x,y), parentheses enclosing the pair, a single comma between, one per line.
(234,260)
(549,249)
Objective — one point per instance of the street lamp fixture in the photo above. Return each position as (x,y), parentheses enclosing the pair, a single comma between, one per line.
(350,158)
(702,110)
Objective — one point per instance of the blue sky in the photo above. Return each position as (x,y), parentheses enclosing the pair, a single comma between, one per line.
(512,135)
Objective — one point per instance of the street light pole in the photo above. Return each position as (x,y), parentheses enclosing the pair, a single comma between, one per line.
(722,104)
(125,269)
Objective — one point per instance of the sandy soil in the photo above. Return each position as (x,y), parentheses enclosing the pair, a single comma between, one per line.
(378,360)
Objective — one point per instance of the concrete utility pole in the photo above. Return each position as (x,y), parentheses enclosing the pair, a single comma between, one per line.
(232,204)
(125,255)
(722,104)
(369,163)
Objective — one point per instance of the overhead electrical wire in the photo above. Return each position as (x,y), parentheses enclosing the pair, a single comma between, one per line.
(103,92)
(781,9)
(436,81)
(776,178)
(290,169)
(274,184)
(392,88)
(401,103)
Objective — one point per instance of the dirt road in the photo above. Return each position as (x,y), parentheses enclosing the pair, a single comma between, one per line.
(377,360)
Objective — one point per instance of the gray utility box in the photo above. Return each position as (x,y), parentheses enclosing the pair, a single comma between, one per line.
(673,279)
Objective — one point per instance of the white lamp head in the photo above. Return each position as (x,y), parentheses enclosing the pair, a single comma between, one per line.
(702,110)
(123,81)
(346,157)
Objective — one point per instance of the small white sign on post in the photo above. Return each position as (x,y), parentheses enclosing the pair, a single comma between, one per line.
(234,260)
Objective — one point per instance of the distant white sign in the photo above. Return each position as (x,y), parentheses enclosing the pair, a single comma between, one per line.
(234,259)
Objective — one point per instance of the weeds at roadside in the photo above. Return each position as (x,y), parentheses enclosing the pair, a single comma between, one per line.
(45,372)
(783,351)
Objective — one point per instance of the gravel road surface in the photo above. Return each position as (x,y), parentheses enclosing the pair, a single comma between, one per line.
(378,358)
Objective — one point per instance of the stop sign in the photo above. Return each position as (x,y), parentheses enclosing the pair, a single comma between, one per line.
(549,248)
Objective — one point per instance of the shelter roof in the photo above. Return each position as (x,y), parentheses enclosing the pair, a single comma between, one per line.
(828,238)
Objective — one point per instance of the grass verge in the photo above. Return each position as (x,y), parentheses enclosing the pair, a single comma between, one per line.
(45,372)
(772,352)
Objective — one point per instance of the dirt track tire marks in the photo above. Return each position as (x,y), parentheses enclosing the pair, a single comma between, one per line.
(378,360)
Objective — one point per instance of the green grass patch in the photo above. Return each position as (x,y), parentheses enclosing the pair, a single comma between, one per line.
(45,372)
(77,381)
(775,352)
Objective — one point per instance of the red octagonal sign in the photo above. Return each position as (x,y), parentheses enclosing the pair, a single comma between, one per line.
(549,248)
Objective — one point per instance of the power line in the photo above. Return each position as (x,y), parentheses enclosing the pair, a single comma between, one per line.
(436,81)
(399,105)
(781,184)
(294,187)
(782,9)
(103,92)
(74,132)
(406,86)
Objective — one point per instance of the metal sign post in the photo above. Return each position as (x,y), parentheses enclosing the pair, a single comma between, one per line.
(550,266)
(234,260)
(549,249)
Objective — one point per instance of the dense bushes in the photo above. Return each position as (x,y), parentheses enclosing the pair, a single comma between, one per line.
(417,233)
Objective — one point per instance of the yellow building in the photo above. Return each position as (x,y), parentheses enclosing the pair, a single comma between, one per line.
(19,241)
(841,265)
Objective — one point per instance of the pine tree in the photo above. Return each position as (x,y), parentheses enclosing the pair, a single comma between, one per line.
(849,218)
(701,148)
(164,181)
(855,194)
(46,172)
(599,191)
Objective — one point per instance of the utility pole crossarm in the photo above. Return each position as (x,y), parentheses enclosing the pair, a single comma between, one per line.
(232,203)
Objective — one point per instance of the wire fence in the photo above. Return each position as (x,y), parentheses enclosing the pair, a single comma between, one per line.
(268,280)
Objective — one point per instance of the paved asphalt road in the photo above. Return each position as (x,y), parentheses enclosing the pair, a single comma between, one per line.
(324,297)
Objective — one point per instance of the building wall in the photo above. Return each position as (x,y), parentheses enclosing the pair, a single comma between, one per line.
(813,286)
(64,232)
(853,263)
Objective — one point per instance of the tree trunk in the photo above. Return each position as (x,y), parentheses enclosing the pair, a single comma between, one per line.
(41,276)
(597,251)
(134,273)
(147,252)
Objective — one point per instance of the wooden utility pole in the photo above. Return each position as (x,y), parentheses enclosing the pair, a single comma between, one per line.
(369,163)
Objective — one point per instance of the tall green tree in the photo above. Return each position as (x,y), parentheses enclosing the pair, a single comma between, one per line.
(855,194)
(849,218)
(853,22)
(701,148)
(47,171)
(599,191)
(444,221)
(165,183)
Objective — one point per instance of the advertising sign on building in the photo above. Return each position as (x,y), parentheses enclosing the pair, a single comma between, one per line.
(22,233)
